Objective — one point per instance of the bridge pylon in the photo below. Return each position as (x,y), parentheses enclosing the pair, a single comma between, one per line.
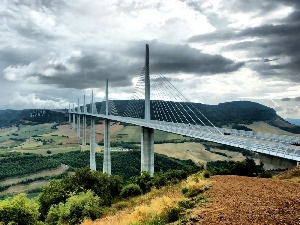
(106,153)
(92,138)
(84,124)
(74,120)
(78,119)
(147,134)
(69,113)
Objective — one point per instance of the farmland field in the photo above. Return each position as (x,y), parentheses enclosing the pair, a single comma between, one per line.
(8,130)
(194,151)
(43,173)
(266,128)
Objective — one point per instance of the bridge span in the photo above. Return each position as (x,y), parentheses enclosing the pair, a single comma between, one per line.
(271,146)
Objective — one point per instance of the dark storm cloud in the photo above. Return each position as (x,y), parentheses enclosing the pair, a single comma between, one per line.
(270,42)
(17,56)
(168,59)
(91,72)
(263,31)
(93,69)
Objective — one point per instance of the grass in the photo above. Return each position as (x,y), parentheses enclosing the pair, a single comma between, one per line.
(193,151)
(25,187)
(8,130)
(27,131)
(54,149)
(292,175)
(159,206)
(266,128)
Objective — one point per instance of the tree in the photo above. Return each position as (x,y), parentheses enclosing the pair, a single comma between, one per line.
(76,209)
(19,210)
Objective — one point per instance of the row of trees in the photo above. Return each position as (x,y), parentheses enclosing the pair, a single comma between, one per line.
(247,167)
(25,164)
(124,164)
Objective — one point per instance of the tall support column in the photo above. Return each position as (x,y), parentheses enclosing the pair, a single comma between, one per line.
(69,113)
(74,120)
(106,154)
(92,139)
(78,120)
(147,151)
(92,145)
(147,87)
(84,123)
(147,134)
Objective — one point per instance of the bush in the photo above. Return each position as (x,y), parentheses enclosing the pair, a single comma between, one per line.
(19,210)
(49,152)
(130,190)
(105,186)
(265,174)
(76,209)
(205,174)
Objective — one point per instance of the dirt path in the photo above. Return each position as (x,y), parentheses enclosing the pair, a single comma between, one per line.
(244,200)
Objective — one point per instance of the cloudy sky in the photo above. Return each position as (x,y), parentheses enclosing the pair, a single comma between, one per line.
(54,51)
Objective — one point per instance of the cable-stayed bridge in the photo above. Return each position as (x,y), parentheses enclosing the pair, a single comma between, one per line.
(157,105)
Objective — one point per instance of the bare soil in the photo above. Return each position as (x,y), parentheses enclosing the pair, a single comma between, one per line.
(244,200)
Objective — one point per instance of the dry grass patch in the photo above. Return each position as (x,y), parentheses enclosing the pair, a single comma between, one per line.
(8,130)
(65,130)
(266,128)
(292,175)
(42,173)
(158,205)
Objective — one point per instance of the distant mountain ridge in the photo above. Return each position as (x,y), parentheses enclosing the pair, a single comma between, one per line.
(293,121)
(10,117)
(231,114)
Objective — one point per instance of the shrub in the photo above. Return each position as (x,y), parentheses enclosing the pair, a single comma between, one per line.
(205,174)
(121,205)
(186,204)
(19,210)
(76,209)
(265,174)
(130,190)
(48,152)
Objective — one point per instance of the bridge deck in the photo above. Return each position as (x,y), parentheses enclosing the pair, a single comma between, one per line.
(271,144)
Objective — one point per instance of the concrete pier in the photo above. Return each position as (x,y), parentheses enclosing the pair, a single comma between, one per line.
(92,138)
(274,162)
(84,123)
(74,120)
(92,145)
(106,153)
(69,113)
(147,134)
(147,150)
(78,120)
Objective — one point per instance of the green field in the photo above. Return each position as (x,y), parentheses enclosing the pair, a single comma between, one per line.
(27,131)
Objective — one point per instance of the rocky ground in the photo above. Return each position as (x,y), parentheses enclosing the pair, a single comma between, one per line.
(244,200)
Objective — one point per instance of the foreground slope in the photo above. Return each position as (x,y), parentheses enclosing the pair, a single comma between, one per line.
(247,200)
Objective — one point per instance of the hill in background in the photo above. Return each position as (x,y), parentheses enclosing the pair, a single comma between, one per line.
(294,121)
(228,114)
